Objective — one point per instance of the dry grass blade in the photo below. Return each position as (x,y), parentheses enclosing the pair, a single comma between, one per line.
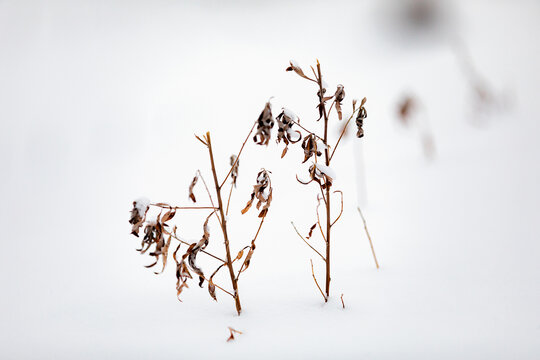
(342,303)
(308,244)
(316,282)
(233,331)
(369,237)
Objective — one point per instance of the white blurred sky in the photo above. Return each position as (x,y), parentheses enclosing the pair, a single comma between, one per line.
(99,101)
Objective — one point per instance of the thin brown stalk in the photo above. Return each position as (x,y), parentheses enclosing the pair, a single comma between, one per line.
(186,243)
(316,282)
(341,211)
(342,303)
(184,207)
(251,246)
(308,244)
(208,192)
(318,219)
(327,159)
(238,155)
(369,237)
(224,226)
(343,132)
(229,200)
(306,130)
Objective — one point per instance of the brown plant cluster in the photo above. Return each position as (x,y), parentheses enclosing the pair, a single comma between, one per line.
(158,234)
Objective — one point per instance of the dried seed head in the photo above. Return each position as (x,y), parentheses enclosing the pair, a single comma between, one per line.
(362,114)
(265,123)
(234,172)
(262,191)
(310,147)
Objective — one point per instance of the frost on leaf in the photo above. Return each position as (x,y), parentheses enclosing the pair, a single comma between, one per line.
(265,123)
(362,114)
(262,191)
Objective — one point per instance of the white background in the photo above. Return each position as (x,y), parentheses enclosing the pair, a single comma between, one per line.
(99,101)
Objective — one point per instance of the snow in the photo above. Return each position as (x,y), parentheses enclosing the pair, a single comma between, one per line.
(326,170)
(289,113)
(142,204)
(103,99)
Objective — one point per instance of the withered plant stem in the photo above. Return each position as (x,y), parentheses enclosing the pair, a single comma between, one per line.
(343,132)
(186,243)
(184,207)
(316,282)
(252,243)
(303,128)
(229,200)
(224,222)
(238,155)
(308,244)
(327,160)
(369,237)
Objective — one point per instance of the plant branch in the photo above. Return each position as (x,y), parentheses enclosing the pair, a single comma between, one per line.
(186,243)
(316,283)
(308,244)
(369,237)
(251,246)
(238,156)
(343,132)
(341,211)
(224,226)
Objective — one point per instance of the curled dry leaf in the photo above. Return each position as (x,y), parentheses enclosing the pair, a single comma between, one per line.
(285,122)
(138,215)
(310,147)
(195,248)
(235,163)
(212,289)
(192,185)
(339,96)
(311,230)
(182,271)
(262,191)
(321,174)
(362,114)
(265,123)
(293,66)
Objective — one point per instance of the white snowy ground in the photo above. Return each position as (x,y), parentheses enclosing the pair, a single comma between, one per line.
(98,105)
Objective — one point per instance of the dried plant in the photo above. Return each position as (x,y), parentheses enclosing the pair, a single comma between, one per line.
(314,146)
(158,233)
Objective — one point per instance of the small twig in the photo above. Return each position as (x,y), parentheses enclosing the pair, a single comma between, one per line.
(229,200)
(342,303)
(186,243)
(238,156)
(318,219)
(163,206)
(308,244)
(231,337)
(251,246)
(369,237)
(341,212)
(303,128)
(209,195)
(343,132)
(316,283)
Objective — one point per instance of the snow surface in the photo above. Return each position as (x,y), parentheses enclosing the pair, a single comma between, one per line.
(99,102)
